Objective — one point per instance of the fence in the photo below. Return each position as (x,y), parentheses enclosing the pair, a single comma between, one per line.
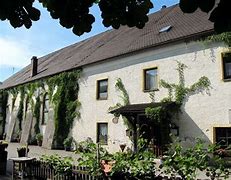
(158,151)
(43,171)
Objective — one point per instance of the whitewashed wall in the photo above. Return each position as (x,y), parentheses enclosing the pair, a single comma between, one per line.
(200,113)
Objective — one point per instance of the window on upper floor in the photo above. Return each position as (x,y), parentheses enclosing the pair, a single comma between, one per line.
(150,79)
(45,115)
(102,133)
(102,89)
(226,57)
(223,136)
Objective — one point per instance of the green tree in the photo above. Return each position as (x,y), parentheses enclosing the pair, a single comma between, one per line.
(75,14)
(219,11)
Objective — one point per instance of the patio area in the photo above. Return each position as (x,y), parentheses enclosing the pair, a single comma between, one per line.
(34,151)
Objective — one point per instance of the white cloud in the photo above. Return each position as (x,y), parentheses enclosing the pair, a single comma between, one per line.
(14,52)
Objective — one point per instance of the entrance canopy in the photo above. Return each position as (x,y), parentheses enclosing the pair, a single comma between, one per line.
(135,114)
(134,109)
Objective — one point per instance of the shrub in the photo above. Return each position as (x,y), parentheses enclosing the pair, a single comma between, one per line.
(127,165)
(61,165)
(39,137)
(68,142)
(87,146)
(186,161)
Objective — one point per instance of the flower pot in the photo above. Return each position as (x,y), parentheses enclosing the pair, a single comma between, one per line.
(68,148)
(39,143)
(22,152)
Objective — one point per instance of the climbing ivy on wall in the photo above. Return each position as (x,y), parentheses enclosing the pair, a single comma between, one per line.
(30,89)
(120,87)
(21,106)
(4,107)
(63,94)
(178,92)
(65,101)
(125,98)
(223,37)
(162,116)
(14,93)
(124,95)
(36,114)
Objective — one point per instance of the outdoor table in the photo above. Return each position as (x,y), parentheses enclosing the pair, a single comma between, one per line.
(21,167)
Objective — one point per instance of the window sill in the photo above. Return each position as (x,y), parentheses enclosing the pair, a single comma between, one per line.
(145,91)
(103,144)
(227,80)
(101,99)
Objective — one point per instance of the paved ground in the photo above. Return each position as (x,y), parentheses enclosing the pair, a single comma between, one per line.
(34,151)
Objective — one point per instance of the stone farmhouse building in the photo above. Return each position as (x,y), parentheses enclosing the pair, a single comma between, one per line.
(140,58)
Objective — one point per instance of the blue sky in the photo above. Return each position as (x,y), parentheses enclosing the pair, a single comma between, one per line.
(17,46)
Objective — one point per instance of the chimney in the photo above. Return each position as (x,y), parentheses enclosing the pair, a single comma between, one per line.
(163,7)
(34,66)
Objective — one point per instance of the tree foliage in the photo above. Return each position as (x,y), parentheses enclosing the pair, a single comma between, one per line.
(219,13)
(76,14)
(186,162)
(19,13)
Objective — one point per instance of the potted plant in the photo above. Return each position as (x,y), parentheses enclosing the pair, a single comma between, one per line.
(39,138)
(67,143)
(22,151)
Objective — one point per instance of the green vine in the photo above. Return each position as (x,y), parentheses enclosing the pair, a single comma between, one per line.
(154,113)
(21,106)
(225,37)
(4,101)
(65,101)
(36,114)
(162,115)
(63,94)
(30,89)
(120,87)
(179,90)
(14,93)
(125,98)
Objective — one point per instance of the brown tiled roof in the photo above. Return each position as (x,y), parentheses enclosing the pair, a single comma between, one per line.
(114,43)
